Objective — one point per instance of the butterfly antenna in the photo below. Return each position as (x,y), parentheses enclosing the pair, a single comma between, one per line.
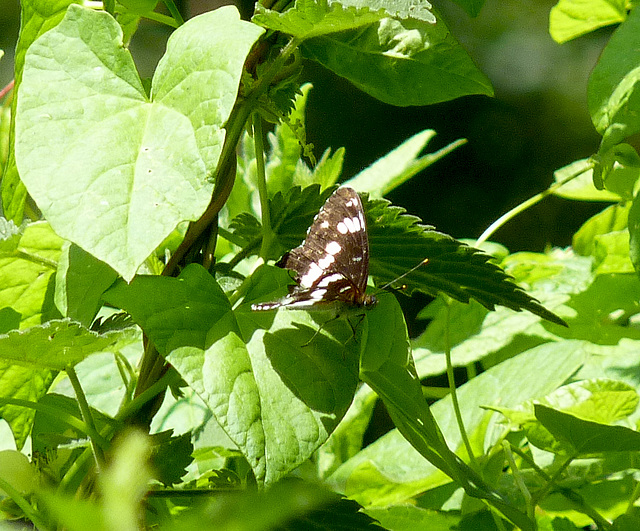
(424,262)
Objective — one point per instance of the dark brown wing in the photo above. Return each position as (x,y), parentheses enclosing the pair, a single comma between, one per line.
(335,254)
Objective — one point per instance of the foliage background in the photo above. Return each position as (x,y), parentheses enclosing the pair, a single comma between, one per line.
(539,120)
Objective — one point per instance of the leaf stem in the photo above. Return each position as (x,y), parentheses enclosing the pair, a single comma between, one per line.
(267,231)
(85,411)
(28,510)
(173,10)
(518,479)
(524,206)
(452,388)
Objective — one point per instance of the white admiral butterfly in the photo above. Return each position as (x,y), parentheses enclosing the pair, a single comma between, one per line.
(331,266)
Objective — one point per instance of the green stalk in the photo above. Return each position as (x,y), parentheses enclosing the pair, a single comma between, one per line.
(267,231)
(26,507)
(524,206)
(85,411)
(454,394)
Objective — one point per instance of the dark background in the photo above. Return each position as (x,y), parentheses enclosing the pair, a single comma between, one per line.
(537,122)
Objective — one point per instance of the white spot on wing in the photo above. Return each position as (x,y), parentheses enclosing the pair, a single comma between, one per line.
(318,294)
(349,223)
(314,273)
(325,262)
(342,228)
(328,280)
(356,224)
(324,224)
(333,248)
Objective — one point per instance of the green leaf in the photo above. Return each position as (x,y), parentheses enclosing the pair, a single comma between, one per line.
(387,367)
(612,219)
(346,440)
(159,153)
(587,437)
(10,236)
(276,392)
(399,242)
(390,171)
(24,383)
(617,170)
(416,9)
(173,312)
(409,517)
(169,458)
(613,91)
(579,418)
(603,310)
(55,345)
(287,503)
(81,280)
(474,334)
(36,18)
(572,18)
(402,63)
(312,18)
(390,470)
(580,188)
(27,274)
(634,233)
(612,253)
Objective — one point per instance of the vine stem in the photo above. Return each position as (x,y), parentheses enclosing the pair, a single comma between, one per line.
(153,365)
(267,232)
(525,205)
(452,389)
(85,411)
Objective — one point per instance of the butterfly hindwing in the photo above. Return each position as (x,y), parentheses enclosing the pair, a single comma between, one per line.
(332,264)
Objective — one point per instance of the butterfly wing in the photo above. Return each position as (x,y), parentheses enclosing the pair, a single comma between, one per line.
(335,254)
(332,264)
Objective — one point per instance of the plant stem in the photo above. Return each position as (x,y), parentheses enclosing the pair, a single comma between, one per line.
(26,507)
(454,394)
(267,231)
(518,478)
(85,411)
(524,206)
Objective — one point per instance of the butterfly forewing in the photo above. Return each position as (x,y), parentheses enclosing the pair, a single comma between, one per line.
(332,264)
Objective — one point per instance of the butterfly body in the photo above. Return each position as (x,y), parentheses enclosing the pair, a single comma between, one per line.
(331,266)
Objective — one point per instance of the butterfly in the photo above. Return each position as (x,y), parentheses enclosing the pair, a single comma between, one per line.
(331,266)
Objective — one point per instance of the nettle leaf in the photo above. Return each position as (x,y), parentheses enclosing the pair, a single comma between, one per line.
(129,169)
(408,62)
(55,345)
(613,86)
(399,242)
(475,334)
(292,214)
(311,18)
(569,19)
(417,9)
